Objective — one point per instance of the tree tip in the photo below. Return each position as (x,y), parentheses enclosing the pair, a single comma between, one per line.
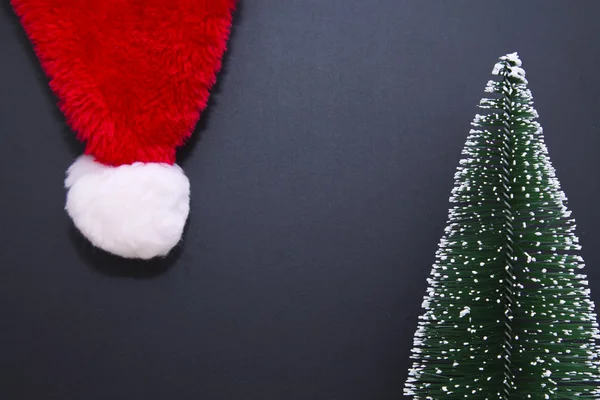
(510,66)
(513,58)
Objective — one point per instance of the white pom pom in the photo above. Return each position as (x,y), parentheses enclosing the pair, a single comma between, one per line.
(134,211)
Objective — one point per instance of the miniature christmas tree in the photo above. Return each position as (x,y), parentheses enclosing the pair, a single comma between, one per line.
(508,313)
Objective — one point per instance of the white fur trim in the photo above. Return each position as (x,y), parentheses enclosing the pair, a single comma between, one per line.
(134,211)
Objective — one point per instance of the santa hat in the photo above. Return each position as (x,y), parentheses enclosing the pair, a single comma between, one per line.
(131,77)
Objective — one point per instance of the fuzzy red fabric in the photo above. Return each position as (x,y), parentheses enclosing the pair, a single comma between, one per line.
(131,76)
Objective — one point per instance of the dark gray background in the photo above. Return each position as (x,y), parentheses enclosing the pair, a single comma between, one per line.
(320,175)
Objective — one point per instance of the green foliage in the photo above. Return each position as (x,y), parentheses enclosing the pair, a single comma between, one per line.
(508,313)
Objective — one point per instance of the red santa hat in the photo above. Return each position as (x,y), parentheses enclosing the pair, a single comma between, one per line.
(131,77)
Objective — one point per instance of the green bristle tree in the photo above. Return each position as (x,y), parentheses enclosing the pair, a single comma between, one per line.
(508,313)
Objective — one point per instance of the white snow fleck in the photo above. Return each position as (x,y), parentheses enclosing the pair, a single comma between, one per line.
(465,311)
(497,68)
